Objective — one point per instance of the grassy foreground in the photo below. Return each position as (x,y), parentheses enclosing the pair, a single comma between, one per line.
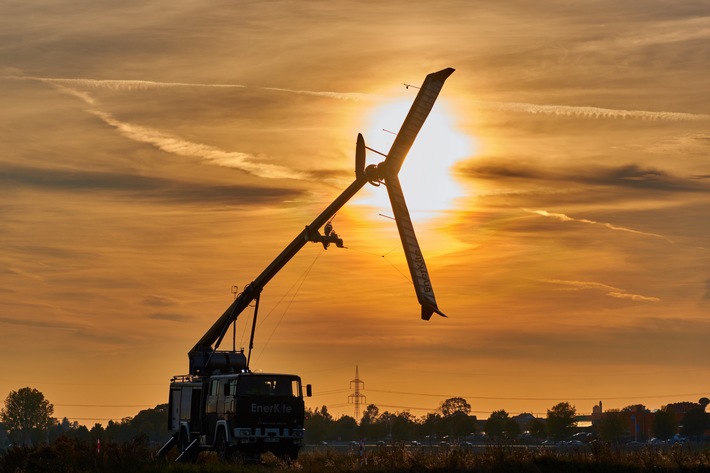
(67,455)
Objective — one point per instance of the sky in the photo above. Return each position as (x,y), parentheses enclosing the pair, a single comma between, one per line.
(155,154)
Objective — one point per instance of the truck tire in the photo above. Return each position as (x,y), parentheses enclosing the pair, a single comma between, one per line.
(288,454)
(222,447)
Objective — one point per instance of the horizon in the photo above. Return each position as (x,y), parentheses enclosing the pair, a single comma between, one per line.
(398,409)
(157,155)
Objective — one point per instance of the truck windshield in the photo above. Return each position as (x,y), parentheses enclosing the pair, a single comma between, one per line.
(262,385)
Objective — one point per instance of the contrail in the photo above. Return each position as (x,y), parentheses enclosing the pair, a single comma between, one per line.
(610,290)
(119,84)
(333,95)
(592,112)
(566,218)
(519,107)
(175,145)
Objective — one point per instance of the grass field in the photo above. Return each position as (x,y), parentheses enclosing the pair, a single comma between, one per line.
(67,455)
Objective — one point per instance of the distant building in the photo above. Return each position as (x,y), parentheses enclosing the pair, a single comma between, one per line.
(523,420)
(638,421)
(597,413)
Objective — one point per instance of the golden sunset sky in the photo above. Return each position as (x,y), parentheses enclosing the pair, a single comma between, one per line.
(156,153)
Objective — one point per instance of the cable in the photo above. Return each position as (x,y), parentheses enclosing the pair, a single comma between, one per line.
(334,391)
(283,314)
(595,398)
(397,269)
(384,256)
(103,405)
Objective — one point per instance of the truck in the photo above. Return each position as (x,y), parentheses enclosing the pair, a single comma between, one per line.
(221,404)
(237,413)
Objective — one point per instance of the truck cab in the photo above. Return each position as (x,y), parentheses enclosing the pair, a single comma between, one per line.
(243,413)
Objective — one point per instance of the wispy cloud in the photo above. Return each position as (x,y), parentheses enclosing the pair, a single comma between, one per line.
(130,85)
(610,291)
(566,218)
(169,317)
(331,95)
(121,84)
(171,143)
(592,112)
(518,107)
(131,185)
(175,145)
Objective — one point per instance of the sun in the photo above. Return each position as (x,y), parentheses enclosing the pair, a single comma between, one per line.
(426,175)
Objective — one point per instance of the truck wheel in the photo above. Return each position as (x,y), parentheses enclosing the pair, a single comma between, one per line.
(289,454)
(221,446)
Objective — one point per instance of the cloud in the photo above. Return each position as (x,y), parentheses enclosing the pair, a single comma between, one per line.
(41,324)
(609,290)
(135,85)
(591,112)
(629,176)
(566,218)
(170,143)
(170,317)
(175,145)
(139,187)
(159,301)
(633,297)
(331,95)
(121,84)
(634,342)
(515,107)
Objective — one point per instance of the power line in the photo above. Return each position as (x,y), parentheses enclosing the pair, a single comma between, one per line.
(501,398)
(103,405)
(88,418)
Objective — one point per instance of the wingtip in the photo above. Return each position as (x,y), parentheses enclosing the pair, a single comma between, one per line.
(427,312)
(443,74)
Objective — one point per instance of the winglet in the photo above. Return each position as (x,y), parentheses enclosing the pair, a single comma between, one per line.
(360,156)
(428,311)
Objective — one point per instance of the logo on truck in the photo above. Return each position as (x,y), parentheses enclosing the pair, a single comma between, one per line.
(278,408)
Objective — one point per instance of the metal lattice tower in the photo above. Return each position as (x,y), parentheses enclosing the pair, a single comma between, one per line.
(357,397)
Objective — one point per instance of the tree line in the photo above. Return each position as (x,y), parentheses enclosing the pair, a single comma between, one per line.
(452,421)
(27,419)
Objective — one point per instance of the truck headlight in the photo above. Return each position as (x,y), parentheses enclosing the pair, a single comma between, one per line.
(242,432)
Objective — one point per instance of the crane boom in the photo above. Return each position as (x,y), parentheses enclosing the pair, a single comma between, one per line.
(204,352)
(200,354)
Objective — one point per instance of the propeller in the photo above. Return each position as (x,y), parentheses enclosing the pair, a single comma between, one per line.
(386,173)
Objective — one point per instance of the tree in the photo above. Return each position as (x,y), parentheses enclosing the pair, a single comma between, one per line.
(459,424)
(560,420)
(611,426)
(368,423)
(403,426)
(345,428)
(431,426)
(456,418)
(695,422)
(537,428)
(664,425)
(453,405)
(511,430)
(318,424)
(26,412)
(495,425)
